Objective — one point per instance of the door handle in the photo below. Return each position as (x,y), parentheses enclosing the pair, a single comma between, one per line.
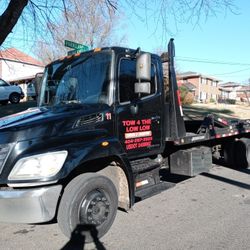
(155,118)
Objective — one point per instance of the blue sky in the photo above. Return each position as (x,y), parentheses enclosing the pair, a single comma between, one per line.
(221,41)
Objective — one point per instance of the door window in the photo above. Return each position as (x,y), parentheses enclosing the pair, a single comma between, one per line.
(127,80)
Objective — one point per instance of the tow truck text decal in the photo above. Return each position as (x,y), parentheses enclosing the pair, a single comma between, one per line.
(138,133)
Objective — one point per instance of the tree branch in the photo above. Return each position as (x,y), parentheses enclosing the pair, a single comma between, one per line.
(10,17)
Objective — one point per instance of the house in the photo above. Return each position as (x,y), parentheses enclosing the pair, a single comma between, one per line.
(229,90)
(243,94)
(205,87)
(18,67)
(234,91)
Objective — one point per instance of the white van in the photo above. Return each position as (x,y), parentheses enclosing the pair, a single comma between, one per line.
(10,93)
(31,92)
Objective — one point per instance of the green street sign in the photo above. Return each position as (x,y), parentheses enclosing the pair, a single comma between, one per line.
(77,47)
(72,45)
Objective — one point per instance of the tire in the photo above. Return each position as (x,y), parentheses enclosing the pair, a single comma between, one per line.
(88,207)
(242,153)
(228,153)
(14,98)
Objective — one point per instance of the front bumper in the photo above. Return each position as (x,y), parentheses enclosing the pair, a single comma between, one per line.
(34,205)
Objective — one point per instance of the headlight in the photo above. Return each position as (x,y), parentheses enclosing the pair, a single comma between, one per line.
(38,166)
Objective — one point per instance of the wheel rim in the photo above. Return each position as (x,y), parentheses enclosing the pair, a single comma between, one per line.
(95,208)
(15,98)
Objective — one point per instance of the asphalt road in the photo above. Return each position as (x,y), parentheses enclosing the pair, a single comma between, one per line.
(210,211)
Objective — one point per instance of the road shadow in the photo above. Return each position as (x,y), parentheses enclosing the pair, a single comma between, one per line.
(78,238)
(227,180)
(173,178)
(221,162)
(10,109)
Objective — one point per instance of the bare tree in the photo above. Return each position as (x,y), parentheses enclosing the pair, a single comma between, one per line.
(247,97)
(87,22)
(10,17)
(247,92)
(159,12)
(36,15)
(43,12)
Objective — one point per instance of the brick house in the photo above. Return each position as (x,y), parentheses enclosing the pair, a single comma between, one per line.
(206,87)
(235,91)
(229,90)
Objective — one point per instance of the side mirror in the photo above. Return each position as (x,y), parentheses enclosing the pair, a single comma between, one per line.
(143,74)
(142,87)
(37,83)
(143,67)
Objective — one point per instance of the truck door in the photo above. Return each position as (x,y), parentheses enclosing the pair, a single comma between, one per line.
(139,118)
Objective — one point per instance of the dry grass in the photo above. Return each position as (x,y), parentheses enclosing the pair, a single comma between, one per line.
(225,110)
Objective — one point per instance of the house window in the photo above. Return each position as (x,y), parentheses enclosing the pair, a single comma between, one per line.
(202,95)
(203,80)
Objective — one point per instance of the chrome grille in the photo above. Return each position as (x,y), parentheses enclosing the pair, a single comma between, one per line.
(4,152)
(89,119)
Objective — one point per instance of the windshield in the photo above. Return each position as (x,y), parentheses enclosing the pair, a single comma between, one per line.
(83,80)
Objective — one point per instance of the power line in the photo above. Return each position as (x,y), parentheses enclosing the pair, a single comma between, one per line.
(190,59)
(234,72)
(178,58)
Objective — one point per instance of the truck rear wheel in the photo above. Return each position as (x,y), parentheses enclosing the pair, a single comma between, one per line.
(229,153)
(88,207)
(242,153)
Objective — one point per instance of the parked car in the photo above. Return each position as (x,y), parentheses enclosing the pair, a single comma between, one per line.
(10,93)
(31,92)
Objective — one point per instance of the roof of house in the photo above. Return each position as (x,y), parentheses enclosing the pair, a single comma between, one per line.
(230,87)
(191,74)
(244,88)
(190,86)
(13,54)
(229,84)
(226,89)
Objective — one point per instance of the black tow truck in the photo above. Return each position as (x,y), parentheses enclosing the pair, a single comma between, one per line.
(106,126)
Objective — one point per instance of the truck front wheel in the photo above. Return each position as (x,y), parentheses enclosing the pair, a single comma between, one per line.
(88,207)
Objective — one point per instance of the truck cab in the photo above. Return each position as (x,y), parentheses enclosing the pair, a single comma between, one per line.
(100,87)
